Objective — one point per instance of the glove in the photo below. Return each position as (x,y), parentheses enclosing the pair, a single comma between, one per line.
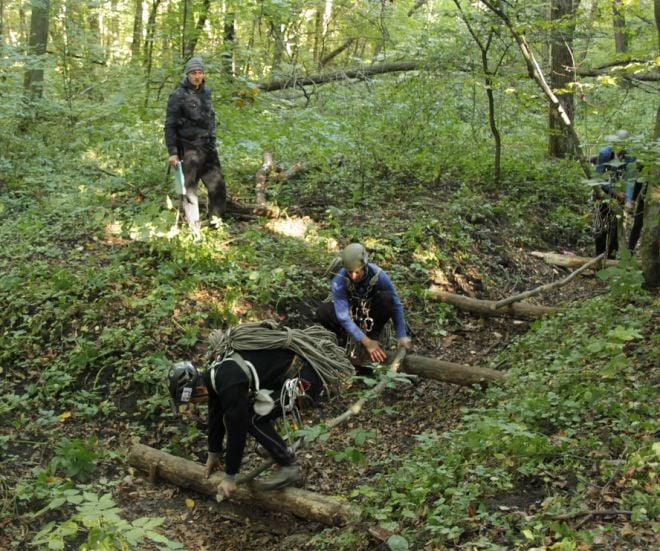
(405,342)
(212,463)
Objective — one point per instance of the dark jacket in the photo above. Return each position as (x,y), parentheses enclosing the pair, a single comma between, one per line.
(190,119)
(230,407)
(627,171)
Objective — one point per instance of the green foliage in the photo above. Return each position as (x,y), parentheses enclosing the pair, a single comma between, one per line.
(564,406)
(98,296)
(626,279)
(98,524)
(76,459)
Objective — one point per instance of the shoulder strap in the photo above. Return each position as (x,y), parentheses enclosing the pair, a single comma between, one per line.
(374,279)
(247,367)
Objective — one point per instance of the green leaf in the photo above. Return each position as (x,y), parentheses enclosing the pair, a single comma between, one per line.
(397,543)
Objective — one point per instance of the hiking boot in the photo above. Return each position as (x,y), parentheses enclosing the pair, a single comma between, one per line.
(285,476)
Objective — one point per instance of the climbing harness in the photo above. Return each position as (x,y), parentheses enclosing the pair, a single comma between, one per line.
(360,313)
(291,419)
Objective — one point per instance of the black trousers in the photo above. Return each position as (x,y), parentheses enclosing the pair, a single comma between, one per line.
(202,163)
(381,308)
(607,234)
(262,427)
(638,197)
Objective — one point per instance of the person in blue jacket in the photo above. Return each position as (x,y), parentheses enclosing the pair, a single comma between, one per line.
(363,301)
(617,166)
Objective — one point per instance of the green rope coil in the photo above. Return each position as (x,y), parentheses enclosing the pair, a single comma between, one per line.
(315,344)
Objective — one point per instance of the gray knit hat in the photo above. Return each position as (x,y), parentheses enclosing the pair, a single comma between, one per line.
(194,64)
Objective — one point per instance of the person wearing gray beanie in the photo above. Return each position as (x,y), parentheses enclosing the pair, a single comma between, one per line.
(194,64)
(190,137)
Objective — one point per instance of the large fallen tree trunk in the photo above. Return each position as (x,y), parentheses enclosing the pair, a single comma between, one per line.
(570,261)
(449,372)
(487,307)
(188,474)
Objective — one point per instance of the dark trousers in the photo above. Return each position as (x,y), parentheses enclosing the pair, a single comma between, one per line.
(606,235)
(202,163)
(638,214)
(261,427)
(381,308)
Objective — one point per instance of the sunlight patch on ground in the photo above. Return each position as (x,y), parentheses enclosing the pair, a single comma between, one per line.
(299,228)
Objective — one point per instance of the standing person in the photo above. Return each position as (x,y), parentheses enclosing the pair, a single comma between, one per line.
(363,301)
(190,137)
(229,387)
(618,166)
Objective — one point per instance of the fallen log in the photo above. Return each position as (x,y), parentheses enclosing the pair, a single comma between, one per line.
(547,286)
(570,261)
(256,210)
(486,307)
(449,372)
(330,511)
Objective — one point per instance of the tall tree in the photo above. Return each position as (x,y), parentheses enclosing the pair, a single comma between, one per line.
(191,33)
(38,40)
(484,44)
(535,72)
(229,42)
(650,244)
(562,75)
(619,23)
(138,25)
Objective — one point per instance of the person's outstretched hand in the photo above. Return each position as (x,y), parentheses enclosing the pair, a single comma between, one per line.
(376,353)
(212,463)
(227,486)
(405,342)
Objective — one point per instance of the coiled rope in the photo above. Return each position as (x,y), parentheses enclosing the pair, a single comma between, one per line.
(315,344)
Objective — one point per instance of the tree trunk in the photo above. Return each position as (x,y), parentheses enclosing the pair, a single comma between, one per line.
(138,25)
(534,70)
(252,210)
(188,474)
(362,72)
(649,248)
(487,307)
(229,42)
(562,15)
(192,33)
(484,46)
(34,77)
(448,372)
(619,23)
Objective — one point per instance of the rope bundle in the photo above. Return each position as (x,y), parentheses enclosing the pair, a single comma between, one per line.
(315,344)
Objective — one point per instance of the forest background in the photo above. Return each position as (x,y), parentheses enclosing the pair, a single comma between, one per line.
(447,135)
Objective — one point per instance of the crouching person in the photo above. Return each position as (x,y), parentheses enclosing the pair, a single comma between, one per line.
(238,404)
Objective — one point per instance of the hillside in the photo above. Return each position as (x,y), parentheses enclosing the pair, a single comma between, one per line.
(97,305)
